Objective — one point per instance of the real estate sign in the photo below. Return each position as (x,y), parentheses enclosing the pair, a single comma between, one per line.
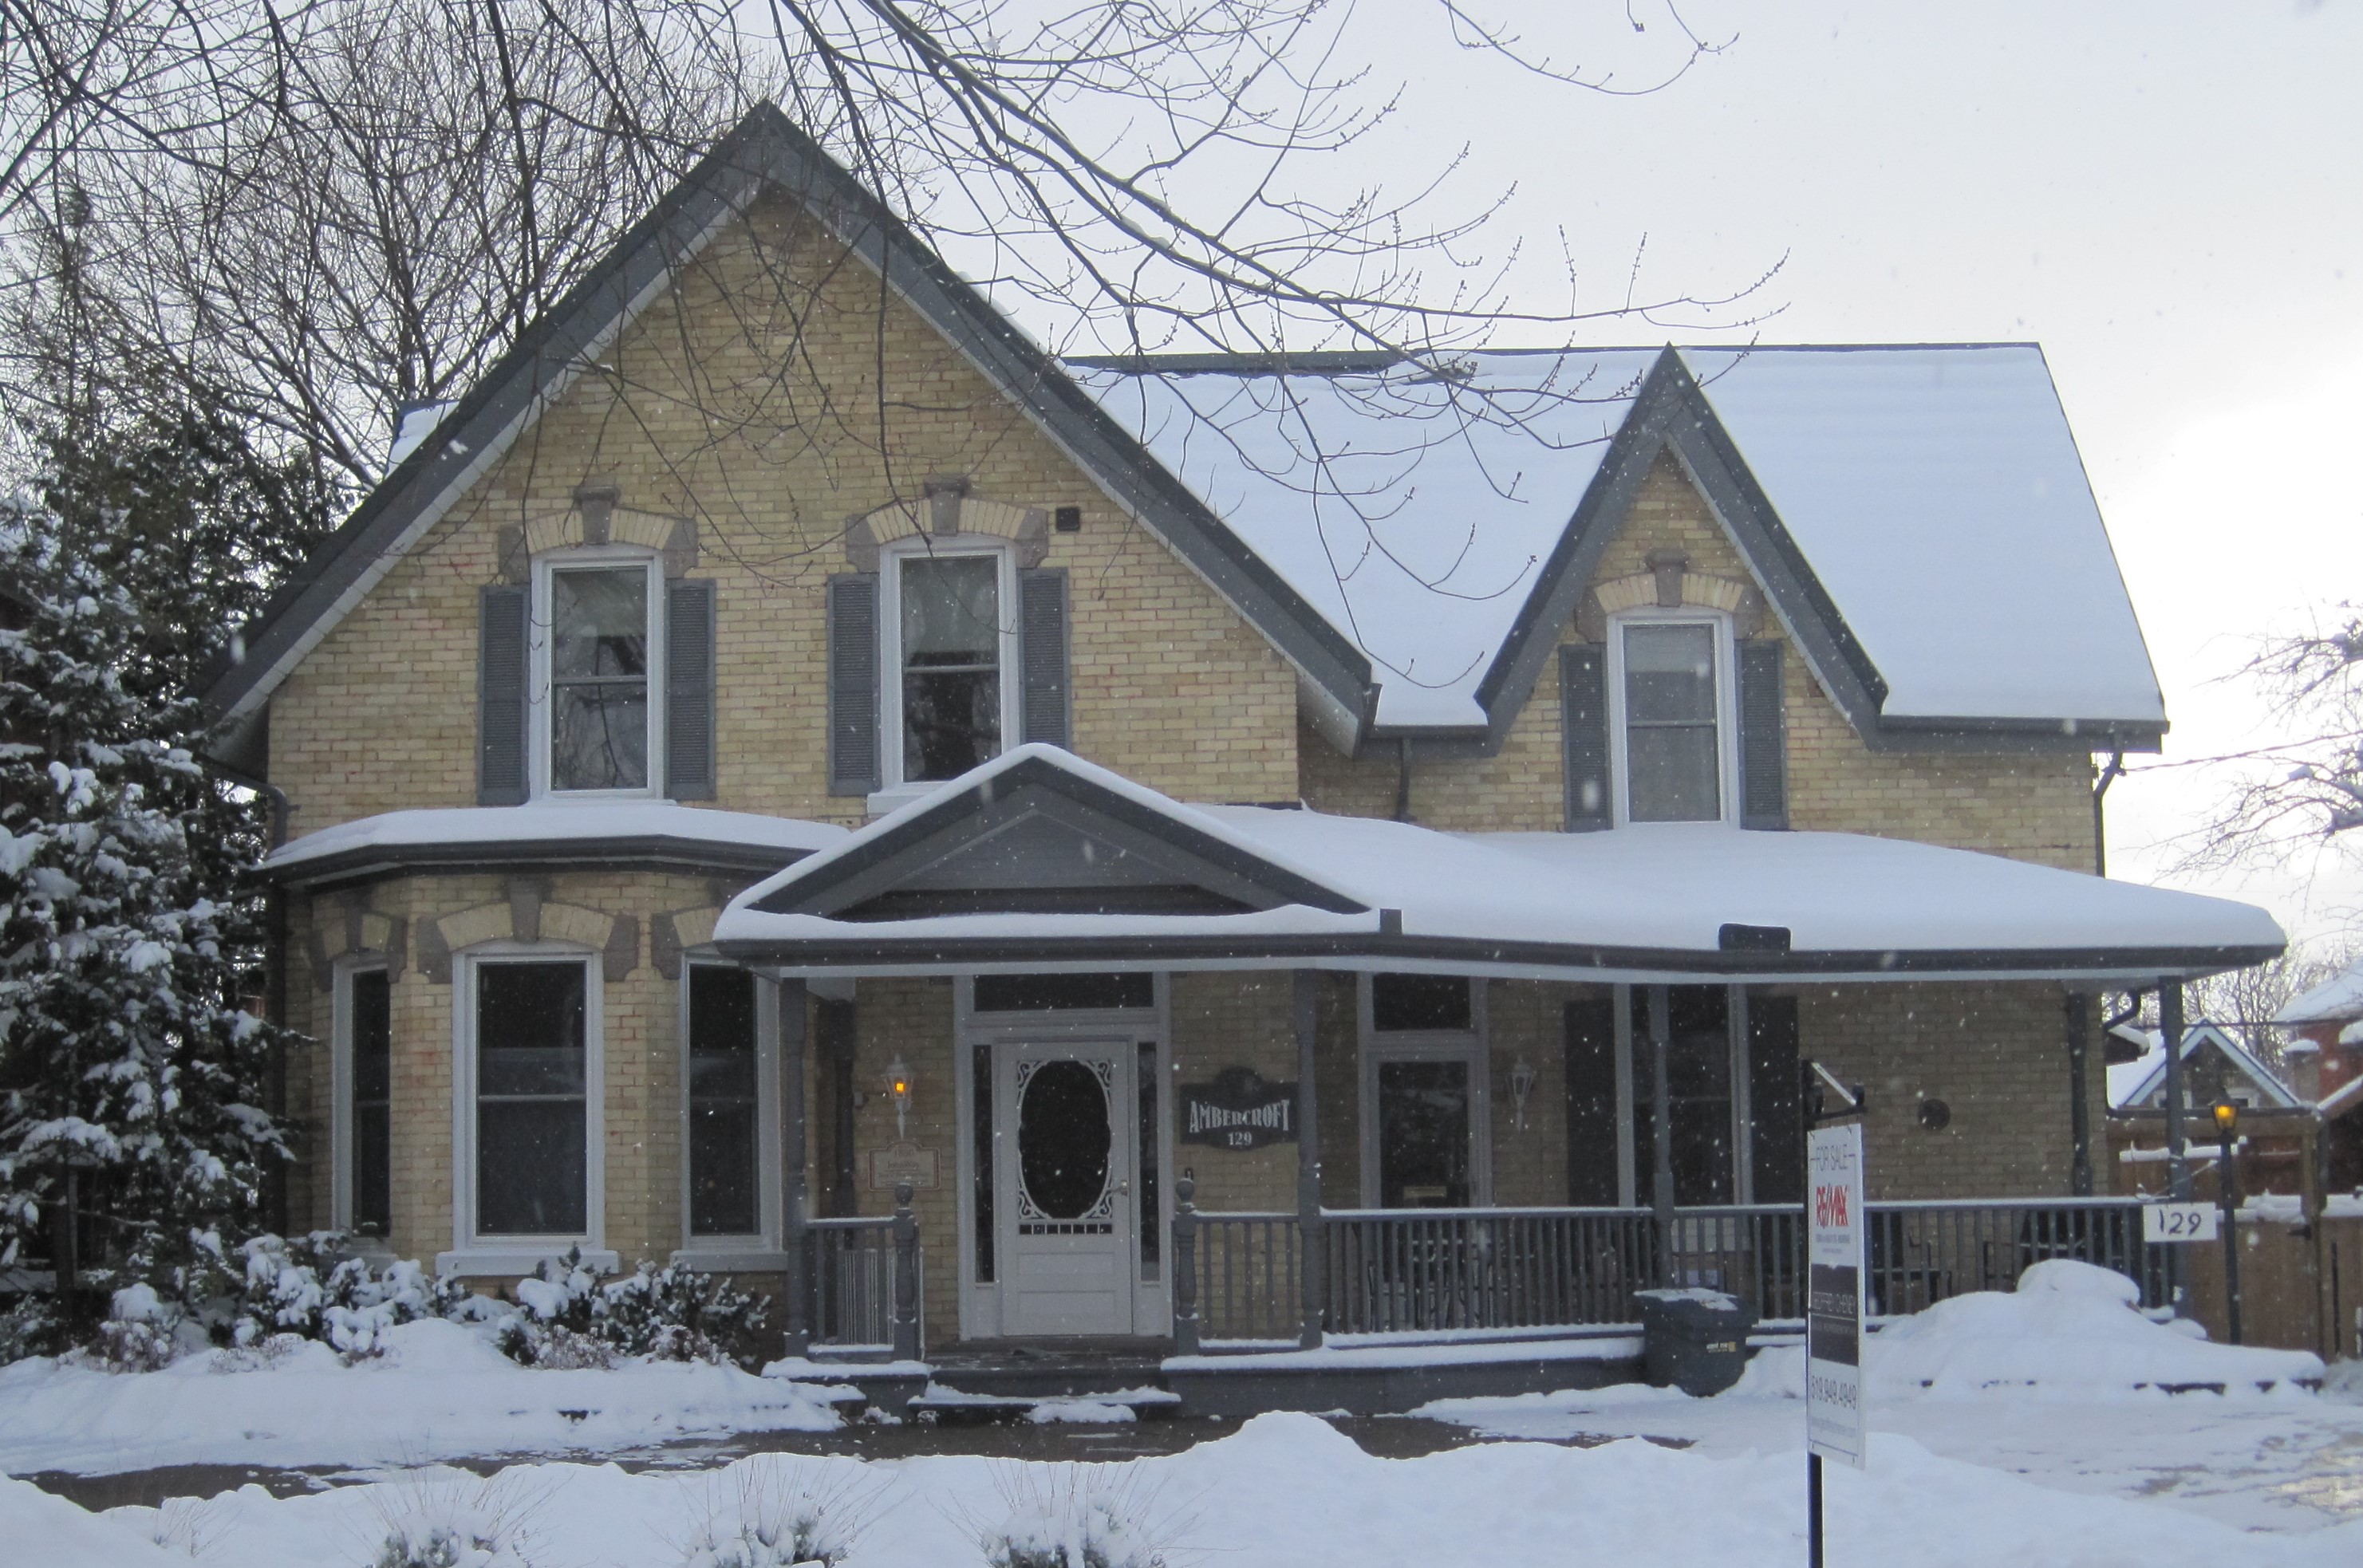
(1835,1425)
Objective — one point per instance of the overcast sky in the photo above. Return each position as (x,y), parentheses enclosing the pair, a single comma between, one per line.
(2166,196)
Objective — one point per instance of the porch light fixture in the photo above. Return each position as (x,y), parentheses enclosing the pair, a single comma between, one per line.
(1522,1084)
(2227,1120)
(898,1083)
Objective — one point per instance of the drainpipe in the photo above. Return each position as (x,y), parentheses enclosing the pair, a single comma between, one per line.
(1403,779)
(2109,776)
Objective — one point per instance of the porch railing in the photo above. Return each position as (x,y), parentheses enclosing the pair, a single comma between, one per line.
(1438,1270)
(862,1277)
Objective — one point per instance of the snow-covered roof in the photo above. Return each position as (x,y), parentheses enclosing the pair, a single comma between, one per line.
(2130,1083)
(2338,997)
(1663,900)
(576,829)
(1935,492)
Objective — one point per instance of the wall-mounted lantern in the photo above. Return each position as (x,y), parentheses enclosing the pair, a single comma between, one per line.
(898,1085)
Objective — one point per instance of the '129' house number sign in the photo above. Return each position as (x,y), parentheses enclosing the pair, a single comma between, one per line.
(1240,1110)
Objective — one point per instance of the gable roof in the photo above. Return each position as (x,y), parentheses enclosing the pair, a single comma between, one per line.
(764,154)
(1918,516)
(2130,1083)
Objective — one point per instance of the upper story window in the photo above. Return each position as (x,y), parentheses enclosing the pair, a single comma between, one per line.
(603,708)
(952,654)
(1671,711)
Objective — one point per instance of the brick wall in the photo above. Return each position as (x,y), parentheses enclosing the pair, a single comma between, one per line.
(2029,806)
(747,399)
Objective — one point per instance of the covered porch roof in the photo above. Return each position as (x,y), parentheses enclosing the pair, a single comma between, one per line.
(1041,861)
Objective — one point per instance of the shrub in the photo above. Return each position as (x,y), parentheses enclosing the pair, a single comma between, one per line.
(447,1520)
(773,1513)
(308,1287)
(1067,1517)
(141,1333)
(670,1313)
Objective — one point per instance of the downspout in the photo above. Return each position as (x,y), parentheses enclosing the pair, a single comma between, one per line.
(2109,776)
(1403,779)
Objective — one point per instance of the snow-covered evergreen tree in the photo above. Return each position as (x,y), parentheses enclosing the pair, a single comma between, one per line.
(125,1046)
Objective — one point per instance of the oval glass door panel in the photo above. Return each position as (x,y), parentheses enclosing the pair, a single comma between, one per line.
(1064,1139)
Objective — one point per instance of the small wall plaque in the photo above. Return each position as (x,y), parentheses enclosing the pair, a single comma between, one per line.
(1240,1110)
(901,1162)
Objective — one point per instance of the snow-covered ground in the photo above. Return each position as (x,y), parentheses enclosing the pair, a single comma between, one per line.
(2032,1428)
(441,1392)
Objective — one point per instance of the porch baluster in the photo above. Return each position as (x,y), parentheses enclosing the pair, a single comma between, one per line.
(906,1276)
(1185,1266)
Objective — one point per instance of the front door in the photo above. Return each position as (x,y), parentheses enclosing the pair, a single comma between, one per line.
(1066,1161)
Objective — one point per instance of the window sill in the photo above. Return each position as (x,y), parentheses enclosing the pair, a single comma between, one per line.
(883,802)
(519,1261)
(754,1259)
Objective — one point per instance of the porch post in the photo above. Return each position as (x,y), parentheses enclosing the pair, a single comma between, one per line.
(2079,1095)
(2169,1026)
(1661,1110)
(1314,1269)
(2177,1165)
(793,1197)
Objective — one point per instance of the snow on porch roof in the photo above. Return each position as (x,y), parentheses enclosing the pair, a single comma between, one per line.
(1655,901)
(1935,492)
(558,830)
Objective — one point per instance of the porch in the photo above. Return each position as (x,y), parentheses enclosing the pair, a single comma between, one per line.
(1259,1082)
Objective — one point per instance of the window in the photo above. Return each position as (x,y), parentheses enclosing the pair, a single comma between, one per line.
(950,646)
(1672,727)
(1426,1115)
(363,1120)
(601,652)
(724,1103)
(532,1107)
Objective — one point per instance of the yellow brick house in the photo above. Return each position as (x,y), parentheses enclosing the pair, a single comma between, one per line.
(783,737)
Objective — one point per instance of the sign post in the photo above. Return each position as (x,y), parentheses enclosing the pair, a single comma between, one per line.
(1837,1424)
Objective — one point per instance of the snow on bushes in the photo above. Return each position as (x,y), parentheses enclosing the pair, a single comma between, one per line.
(1073,1516)
(307,1289)
(451,1519)
(573,1316)
(2069,1331)
(775,1512)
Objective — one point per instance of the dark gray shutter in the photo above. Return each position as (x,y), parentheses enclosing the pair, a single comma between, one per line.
(1763,741)
(689,689)
(1583,727)
(853,684)
(501,612)
(1775,1082)
(1042,654)
(1591,1103)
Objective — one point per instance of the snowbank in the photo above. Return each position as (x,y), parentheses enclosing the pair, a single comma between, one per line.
(1288,1489)
(2070,1332)
(441,1391)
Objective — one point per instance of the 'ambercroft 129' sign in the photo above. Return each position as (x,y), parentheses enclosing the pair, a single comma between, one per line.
(1240,1110)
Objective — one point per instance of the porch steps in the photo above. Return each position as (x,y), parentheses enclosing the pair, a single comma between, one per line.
(987,1381)
(949,1405)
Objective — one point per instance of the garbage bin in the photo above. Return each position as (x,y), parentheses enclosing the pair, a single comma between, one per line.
(1695,1340)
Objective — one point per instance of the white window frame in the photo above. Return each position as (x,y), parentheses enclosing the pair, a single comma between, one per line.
(341,1137)
(1470,1045)
(476,1253)
(540,636)
(1726,710)
(897,789)
(760,1253)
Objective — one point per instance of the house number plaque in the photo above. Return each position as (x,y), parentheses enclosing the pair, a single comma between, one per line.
(1240,1110)
(901,1162)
